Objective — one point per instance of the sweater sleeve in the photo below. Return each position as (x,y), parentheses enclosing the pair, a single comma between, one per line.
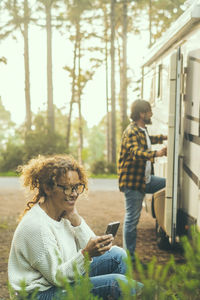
(48,256)
(42,248)
(49,265)
(83,233)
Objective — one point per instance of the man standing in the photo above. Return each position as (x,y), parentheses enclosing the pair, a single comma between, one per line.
(135,168)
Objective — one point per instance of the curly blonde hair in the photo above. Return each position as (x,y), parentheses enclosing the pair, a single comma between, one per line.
(45,170)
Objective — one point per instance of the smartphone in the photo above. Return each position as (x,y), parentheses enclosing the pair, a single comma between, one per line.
(112,228)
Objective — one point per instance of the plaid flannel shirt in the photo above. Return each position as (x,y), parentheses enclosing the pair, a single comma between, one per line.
(133,157)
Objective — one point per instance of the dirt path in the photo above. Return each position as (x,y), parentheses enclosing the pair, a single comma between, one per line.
(98,209)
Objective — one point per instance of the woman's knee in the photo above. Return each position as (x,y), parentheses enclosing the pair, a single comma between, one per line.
(115,287)
(119,256)
(134,286)
(109,288)
(118,253)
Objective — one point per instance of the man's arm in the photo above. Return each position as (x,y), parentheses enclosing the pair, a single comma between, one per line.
(139,153)
(158,139)
(136,150)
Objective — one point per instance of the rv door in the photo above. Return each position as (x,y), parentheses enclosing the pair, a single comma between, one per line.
(173,145)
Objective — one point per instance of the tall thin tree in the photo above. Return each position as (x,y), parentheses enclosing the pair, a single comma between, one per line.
(75,11)
(150,23)
(48,5)
(80,130)
(124,69)
(49,66)
(20,21)
(113,100)
(106,57)
(73,75)
(26,65)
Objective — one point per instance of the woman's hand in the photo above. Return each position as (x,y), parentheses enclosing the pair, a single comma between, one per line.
(73,217)
(98,245)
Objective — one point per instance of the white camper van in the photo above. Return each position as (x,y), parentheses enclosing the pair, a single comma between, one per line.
(171,82)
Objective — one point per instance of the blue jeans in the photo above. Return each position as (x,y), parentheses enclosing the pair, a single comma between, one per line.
(105,271)
(133,210)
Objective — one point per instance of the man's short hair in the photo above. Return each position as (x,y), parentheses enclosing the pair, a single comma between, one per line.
(137,107)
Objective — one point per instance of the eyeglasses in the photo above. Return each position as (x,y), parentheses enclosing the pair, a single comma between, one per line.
(68,190)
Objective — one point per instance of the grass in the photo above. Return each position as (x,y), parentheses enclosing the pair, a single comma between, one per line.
(4,225)
(9,174)
(107,176)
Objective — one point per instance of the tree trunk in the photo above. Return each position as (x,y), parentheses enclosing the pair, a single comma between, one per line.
(124,70)
(73,91)
(26,66)
(112,52)
(49,69)
(108,135)
(120,62)
(150,25)
(80,148)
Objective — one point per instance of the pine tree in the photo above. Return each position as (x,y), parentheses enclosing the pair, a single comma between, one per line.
(47,6)
(19,17)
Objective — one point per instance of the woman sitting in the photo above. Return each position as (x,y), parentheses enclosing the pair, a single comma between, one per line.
(51,228)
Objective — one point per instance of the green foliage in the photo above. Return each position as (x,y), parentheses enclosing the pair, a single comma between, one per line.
(24,146)
(161,282)
(155,279)
(8,174)
(41,140)
(11,157)
(161,13)
(102,167)
(174,281)
(98,167)
(80,289)
(4,225)
(60,120)
(96,145)
(111,168)
(22,294)
(186,279)
(126,287)
(76,16)
(5,124)
(107,176)
(74,141)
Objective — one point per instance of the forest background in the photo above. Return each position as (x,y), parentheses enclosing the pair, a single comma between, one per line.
(98,33)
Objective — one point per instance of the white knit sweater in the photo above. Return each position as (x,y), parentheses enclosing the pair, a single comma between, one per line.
(35,243)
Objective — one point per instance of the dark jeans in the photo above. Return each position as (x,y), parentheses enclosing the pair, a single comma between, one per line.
(105,271)
(133,210)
